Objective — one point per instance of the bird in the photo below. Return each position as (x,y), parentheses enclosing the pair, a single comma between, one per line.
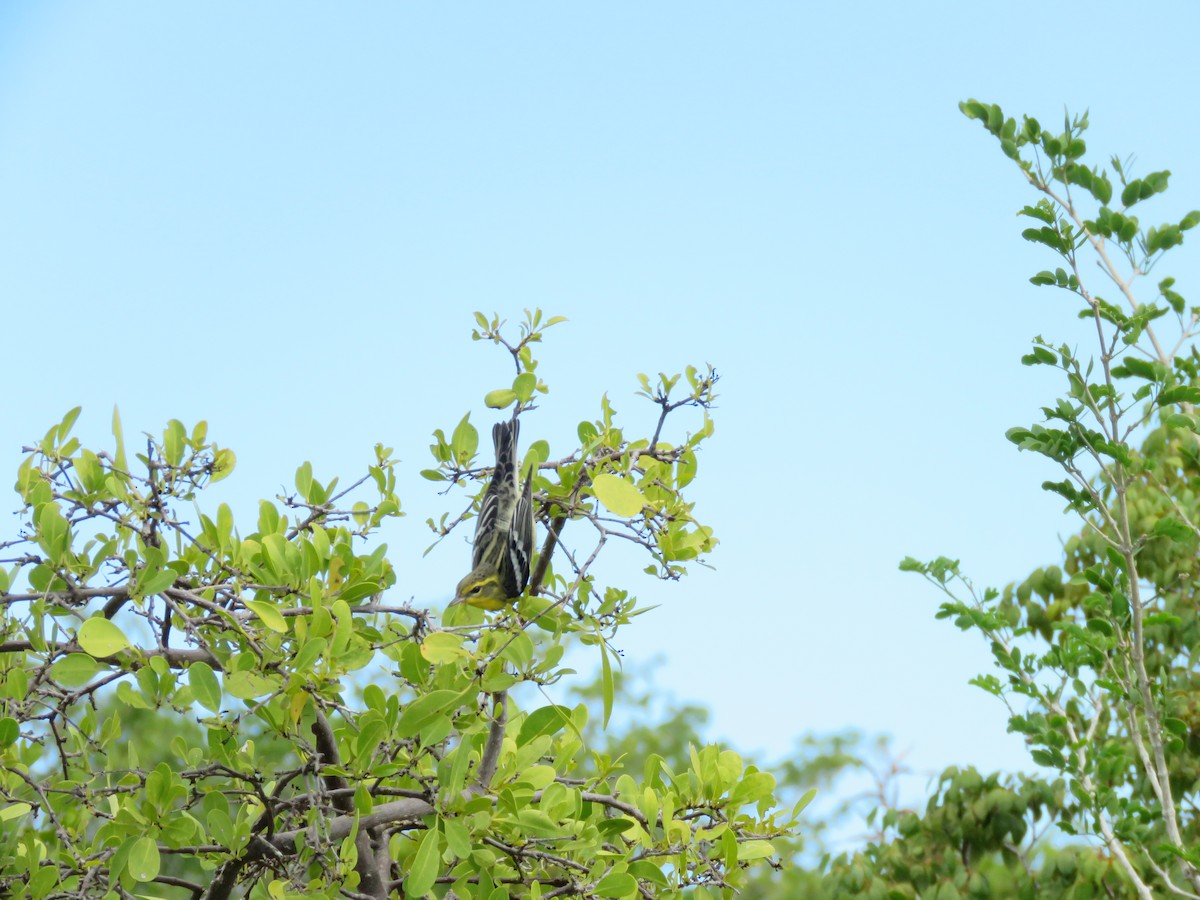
(503,545)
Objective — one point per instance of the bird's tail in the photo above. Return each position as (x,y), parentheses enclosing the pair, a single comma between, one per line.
(504,436)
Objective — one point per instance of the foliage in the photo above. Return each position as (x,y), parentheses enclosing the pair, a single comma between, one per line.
(191,708)
(655,725)
(1096,658)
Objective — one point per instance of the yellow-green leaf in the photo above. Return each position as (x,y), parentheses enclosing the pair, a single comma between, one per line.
(499,399)
(74,670)
(524,385)
(443,647)
(754,850)
(304,479)
(143,860)
(119,434)
(205,687)
(275,547)
(271,617)
(546,720)
(422,711)
(251,685)
(617,884)
(538,777)
(618,495)
(223,463)
(804,801)
(608,688)
(100,637)
(424,869)
(354,593)
(13,810)
(152,581)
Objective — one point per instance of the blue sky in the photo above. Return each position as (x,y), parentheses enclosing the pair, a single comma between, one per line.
(279,218)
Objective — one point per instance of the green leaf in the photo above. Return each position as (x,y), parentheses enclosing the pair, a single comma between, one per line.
(223,465)
(205,687)
(1138,368)
(608,688)
(174,439)
(143,861)
(495,679)
(499,399)
(369,737)
(1162,618)
(538,777)
(538,823)
(274,545)
(458,839)
(54,532)
(356,592)
(118,433)
(74,670)
(424,869)
(1043,213)
(250,685)
(1143,188)
(754,850)
(9,731)
(464,440)
(270,616)
(309,652)
(1039,356)
(1176,530)
(1179,394)
(609,828)
(1163,237)
(619,496)
(617,884)
(648,871)
(524,386)
(68,422)
(424,710)
(804,801)
(151,581)
(443,647)
(13,811)
(1045,235)
(304,479)
(546,720)
(100,637)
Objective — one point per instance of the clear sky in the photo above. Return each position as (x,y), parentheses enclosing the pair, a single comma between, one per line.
(279,217)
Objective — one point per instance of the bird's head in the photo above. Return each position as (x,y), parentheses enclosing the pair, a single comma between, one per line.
(482,590)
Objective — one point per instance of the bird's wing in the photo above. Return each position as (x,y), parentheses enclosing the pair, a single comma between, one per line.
(520,544)
(499,492)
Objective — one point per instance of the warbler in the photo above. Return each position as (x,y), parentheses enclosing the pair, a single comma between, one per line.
(503,531)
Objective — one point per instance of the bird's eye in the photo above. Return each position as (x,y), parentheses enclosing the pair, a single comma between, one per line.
(476,589)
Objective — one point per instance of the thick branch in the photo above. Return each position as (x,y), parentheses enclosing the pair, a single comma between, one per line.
(339,827)
(556,527)
(491,750)
(367,866)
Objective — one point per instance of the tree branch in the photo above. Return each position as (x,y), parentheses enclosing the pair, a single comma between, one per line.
(490,757)
(367,865)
